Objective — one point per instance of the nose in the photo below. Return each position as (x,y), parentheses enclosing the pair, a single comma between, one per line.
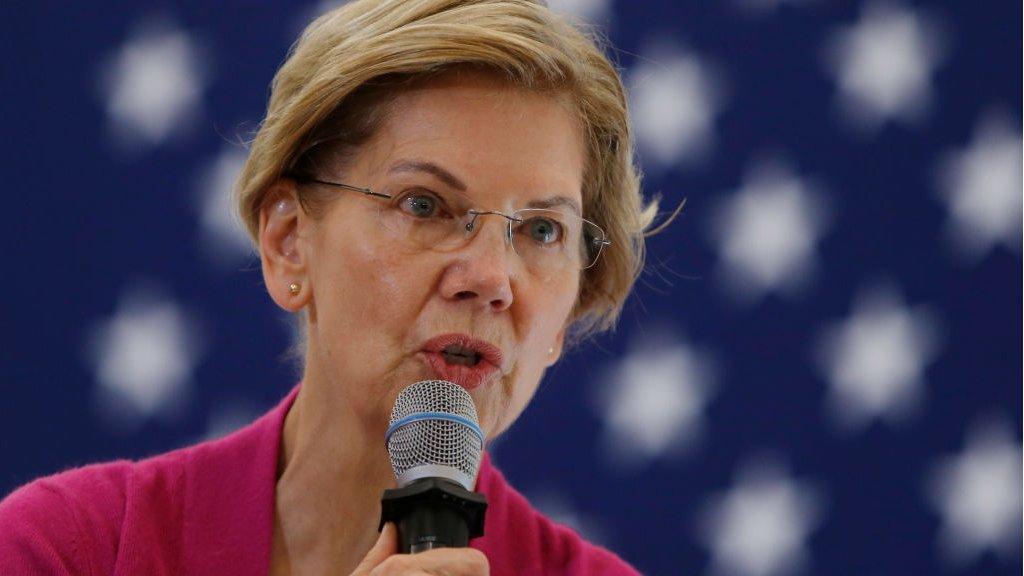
(479,273)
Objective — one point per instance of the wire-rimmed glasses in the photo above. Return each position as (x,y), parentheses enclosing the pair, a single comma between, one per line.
(546,239)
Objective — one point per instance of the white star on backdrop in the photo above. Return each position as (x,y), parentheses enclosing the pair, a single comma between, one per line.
(674,98)
(874,360)
(760,526)
(152,87)
(593,11)
(978,495)
(143,358)
(224,239)
(884,64)
(766,233)
(982,188)
(653,401)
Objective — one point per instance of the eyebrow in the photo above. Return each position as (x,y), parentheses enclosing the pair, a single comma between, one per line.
(405,166)
(430,168)
(555,201)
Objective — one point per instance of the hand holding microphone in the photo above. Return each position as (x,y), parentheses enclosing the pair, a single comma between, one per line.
(383,559)
(435,446)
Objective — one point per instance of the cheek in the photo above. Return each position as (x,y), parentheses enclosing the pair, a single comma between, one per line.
(365,300)
(359,268)
(364,293)
(550,309)
(551,303)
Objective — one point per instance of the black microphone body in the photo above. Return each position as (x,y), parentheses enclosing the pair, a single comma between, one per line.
(433,513)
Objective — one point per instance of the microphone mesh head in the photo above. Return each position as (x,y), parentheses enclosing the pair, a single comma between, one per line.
(434,446)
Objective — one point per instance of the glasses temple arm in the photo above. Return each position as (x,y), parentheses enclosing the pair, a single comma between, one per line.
(365,191)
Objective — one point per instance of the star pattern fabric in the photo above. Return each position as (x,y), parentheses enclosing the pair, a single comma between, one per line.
(978,495)
(153,85)
(653,403)
(143,357)
(675,97)
(767,233)
(982,189)
(760,526)
(884,64)
(875,359)
(224,240)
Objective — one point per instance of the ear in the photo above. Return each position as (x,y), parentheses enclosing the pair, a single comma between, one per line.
(284,253)
(556,347)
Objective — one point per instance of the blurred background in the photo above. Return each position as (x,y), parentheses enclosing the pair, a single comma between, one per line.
(819,372)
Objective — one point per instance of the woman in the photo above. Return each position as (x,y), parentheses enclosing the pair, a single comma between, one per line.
(440,189)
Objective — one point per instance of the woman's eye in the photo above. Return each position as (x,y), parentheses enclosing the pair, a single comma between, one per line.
(543,230)
(421,204)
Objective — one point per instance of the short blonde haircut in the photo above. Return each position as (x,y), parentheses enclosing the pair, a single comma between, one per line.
(336,83)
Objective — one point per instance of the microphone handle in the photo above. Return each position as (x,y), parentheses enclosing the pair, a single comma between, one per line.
(428,526)
(433,513)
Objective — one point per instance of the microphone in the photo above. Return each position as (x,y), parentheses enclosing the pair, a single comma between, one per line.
(435,445)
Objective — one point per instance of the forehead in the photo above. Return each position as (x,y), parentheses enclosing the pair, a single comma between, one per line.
(502,142)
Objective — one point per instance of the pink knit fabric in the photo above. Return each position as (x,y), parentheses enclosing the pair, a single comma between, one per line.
(208,509)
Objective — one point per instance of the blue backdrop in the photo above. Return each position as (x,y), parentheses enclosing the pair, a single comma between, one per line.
(819,371)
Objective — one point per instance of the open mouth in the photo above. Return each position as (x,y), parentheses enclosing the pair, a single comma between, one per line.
(455,354)
(462,359)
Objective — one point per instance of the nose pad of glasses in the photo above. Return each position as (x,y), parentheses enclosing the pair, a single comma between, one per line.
(470,227)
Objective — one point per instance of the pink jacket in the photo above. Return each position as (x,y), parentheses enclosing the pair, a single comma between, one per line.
(208,509)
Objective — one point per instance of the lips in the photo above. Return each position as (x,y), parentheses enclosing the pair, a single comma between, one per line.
(462,359)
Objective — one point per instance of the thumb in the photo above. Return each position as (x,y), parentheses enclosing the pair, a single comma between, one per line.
(386,546)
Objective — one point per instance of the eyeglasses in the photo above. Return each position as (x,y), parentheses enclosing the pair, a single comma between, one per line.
(546,239)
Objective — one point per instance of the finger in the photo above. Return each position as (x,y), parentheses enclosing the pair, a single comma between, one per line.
(446,561)
(386,546)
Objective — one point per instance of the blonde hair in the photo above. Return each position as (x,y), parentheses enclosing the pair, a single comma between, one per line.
(337,80)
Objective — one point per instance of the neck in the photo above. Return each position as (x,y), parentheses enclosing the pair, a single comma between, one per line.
(332,471)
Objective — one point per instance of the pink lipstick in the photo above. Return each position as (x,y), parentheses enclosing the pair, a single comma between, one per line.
(462,359)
